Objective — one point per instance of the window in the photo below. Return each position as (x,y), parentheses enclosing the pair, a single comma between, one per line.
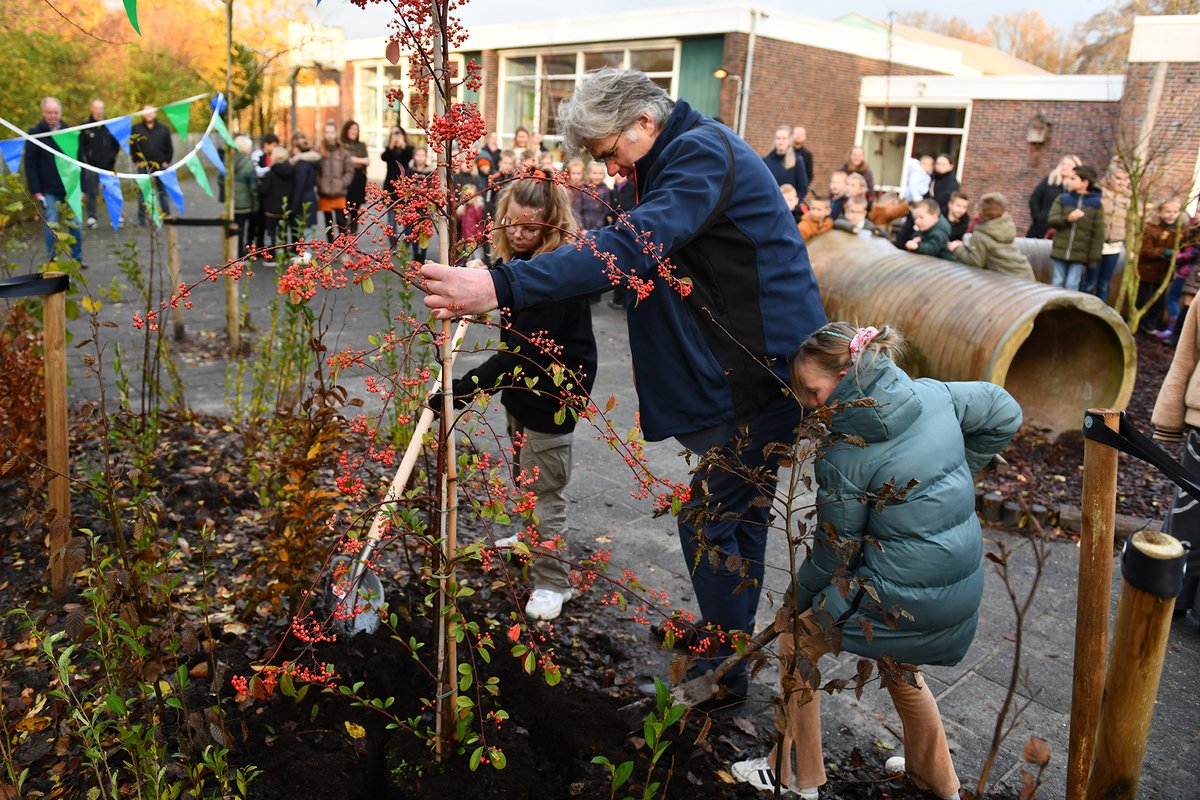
(890,134)
(532,84)
(373,112)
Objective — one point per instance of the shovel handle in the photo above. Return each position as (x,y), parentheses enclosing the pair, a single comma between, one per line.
(404,471)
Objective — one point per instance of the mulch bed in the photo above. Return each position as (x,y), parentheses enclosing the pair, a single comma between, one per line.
(1050,473)
(553,732)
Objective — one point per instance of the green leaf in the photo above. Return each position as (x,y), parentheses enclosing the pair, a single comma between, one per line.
(530,663)
(368,285)
(621,774)
(499,760)
(115,703)
(553,676)
(475,756)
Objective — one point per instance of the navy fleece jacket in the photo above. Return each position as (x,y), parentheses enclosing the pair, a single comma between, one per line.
(710,204)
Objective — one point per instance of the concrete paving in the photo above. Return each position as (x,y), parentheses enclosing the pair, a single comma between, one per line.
(602,512)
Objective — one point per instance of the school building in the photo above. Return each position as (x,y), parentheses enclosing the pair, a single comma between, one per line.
(896,90)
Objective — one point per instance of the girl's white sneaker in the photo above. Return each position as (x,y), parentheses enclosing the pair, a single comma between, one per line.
(758,773)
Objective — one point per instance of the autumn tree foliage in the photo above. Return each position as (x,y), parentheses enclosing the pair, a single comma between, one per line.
(78,50)
(1098,45)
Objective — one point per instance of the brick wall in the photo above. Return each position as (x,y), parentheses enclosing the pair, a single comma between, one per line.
(490,61)
(998,159)
(1175,133)
(795,84)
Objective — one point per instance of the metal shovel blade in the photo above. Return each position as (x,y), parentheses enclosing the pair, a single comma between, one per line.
(360,613)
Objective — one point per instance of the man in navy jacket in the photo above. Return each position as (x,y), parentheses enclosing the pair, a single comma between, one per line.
(705,363)
(45,184)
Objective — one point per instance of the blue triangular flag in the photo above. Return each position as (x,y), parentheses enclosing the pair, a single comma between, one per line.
(210,150)
(121,129)
(170,181)
(13,149)
(113,199)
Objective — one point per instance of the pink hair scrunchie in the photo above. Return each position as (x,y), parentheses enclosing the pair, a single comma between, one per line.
(860,341)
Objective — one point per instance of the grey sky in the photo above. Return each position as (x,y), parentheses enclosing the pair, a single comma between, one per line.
(360,23)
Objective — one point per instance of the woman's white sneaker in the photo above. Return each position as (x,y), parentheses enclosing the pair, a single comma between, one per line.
(758,773)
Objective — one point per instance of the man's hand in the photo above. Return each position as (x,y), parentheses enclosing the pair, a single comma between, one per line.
(1075,215)
(454,292)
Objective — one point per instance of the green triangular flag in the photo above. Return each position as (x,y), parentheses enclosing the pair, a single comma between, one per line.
(131,12)
(68,142)
(179,114)
(69,172)
(197,169)
(219,124)
(149,197)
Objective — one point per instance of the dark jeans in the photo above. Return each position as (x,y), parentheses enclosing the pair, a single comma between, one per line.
(336,223)
(733,519)
(1154,314)
(1099,281)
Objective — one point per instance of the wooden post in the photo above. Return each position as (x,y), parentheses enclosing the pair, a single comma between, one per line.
(54,343)
(173,266)
(1152,567)
(1094,598)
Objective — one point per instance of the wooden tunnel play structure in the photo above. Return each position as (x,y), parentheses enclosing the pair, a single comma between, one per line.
(1058,352)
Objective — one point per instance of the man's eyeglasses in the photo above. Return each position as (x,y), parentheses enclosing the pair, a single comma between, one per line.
(612,151)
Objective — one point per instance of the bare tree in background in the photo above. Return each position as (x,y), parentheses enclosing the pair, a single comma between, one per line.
(1105,37)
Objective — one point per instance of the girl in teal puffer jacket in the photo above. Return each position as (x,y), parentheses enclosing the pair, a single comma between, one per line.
(921,553)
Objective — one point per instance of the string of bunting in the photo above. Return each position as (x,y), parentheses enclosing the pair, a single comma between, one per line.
(64,146)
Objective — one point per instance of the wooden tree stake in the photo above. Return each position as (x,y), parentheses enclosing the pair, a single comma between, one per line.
(1094,599)
(1134,669)
(54,339)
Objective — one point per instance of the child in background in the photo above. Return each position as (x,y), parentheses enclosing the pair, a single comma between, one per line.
(929,558)
(958,216)
(992,242)
(591,203)
(854,218)
(303,201)
(418,167)
(471,214)
(856,187)
(933,232)
(837,193)
(545,163)
(1077,217)
(534,216)
(792,200)
(1159,241)
(277,187)
(817,220)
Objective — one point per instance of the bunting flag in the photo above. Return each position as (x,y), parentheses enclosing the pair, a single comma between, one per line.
(13,150)
(149,197)
(131,12)
(69,172)
(110,186)
(170,181)
(210,151)
(219,124)
(197,168)
(121,129)
(179,115)
(68,143)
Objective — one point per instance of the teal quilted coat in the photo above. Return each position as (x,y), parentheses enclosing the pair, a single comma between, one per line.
(929,555)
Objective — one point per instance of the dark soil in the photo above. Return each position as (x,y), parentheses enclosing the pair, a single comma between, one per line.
(1050,473)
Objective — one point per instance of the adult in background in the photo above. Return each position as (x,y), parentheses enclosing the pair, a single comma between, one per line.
(709,363)
(784,165)
(246,200)
(799,137)
(395,158)
(943,183)
(334,173)
(151,147)
(42,178)
(356,193)
(99,148)
(1046,192)
(857,162)
(303,201)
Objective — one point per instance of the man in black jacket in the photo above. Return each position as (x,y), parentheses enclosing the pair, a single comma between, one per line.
(45,184)
(98,147)
(151,148)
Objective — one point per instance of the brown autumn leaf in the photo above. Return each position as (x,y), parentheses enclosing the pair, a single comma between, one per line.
(677,669)
(33,724)
(1036,751)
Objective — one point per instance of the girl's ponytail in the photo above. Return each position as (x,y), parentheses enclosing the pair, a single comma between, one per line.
(840,346)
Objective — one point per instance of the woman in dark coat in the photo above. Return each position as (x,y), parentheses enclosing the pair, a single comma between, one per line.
(1044,195)
(785,167)
(944,183)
